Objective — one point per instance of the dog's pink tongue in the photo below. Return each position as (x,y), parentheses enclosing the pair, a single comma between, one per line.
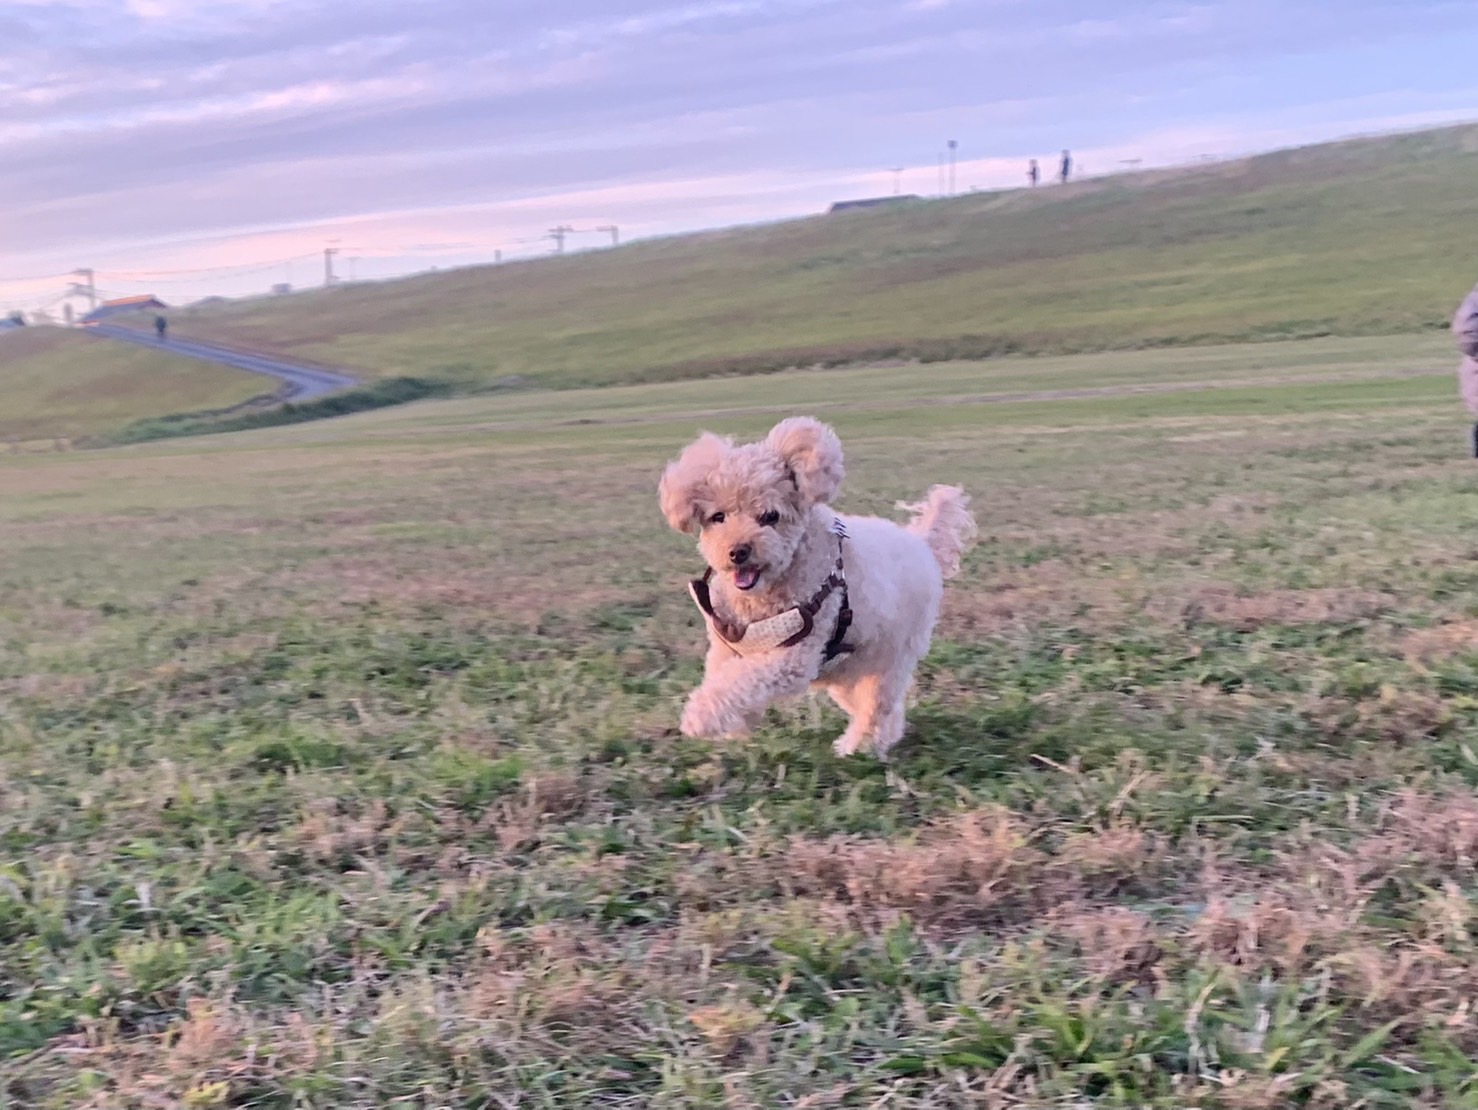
(746,578)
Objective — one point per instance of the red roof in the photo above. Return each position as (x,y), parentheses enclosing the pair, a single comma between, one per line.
(142,298)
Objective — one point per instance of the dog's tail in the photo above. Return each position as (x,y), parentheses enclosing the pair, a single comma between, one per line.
(944,520)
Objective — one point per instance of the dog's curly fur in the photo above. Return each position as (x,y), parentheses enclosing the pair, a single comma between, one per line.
(773,498)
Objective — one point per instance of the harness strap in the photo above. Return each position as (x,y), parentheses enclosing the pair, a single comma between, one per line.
(733,634)
(837,645)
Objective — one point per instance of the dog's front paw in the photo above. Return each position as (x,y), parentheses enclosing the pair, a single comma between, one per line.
(703,720)
(695,724)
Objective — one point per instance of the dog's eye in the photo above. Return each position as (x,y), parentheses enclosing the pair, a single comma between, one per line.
(716,518)
(770,519)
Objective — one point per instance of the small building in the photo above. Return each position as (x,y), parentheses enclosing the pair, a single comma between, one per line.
(873,202)
(122,306)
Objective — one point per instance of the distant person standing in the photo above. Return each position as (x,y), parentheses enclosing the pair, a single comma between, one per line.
(1465,328)
(1033,174)
(1067,166)
(161,325)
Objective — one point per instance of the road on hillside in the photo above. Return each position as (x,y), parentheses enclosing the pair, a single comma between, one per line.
(303,383)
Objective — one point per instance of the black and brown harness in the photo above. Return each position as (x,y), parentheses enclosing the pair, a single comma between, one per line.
(787,629)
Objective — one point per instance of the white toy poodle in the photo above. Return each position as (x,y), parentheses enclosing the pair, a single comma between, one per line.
(797,596)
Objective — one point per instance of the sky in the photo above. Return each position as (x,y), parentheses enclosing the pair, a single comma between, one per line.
(196,147)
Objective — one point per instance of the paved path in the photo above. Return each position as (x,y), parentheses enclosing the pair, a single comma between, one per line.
(303,383)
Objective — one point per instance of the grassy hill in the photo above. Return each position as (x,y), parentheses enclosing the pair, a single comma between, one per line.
(1351,238)
(56,383)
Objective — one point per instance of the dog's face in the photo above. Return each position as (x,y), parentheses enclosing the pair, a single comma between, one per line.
(748,530)
(748,504)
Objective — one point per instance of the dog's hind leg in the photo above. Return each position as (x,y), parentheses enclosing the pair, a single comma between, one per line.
(888,729)
(858,701)
(842,695)
(872,703)
(889,714)
(876,704)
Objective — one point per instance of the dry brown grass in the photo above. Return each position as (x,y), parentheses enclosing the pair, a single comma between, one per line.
(1392,717)
(1426,646)
(551,797)
(1048,594)
(977,869)
(1247,612)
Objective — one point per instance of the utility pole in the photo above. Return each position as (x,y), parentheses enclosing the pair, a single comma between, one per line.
(615,233)
(558,235)
(328,265)
(952,146)
(897,172)
(86,288)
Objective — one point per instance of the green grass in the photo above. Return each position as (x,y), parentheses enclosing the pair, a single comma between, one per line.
(1343,239)
(376,395)
(60,384)
(338,763)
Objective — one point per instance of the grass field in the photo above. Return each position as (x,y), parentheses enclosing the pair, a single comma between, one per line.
(57,383)
(1346,239)
(338,763)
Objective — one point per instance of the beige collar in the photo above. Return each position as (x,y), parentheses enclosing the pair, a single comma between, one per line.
(785,629)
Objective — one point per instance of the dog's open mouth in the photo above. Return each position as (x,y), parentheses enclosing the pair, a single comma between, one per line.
(746,577)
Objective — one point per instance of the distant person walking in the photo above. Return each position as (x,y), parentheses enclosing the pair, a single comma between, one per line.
(1033,174)
(1465,328)
(161,325)
(1066,170)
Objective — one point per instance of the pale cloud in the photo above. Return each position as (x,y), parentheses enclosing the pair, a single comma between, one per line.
(195,11)
(151,9)
(1091,30)
(302,97)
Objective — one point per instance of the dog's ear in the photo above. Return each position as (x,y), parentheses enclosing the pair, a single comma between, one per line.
(685,481)
(812,454)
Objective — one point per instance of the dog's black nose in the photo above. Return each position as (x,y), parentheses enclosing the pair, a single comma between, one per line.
(740,555)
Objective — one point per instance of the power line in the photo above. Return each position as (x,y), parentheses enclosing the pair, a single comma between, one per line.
(32,308)
(28,280)
(239,268)
(195,275)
